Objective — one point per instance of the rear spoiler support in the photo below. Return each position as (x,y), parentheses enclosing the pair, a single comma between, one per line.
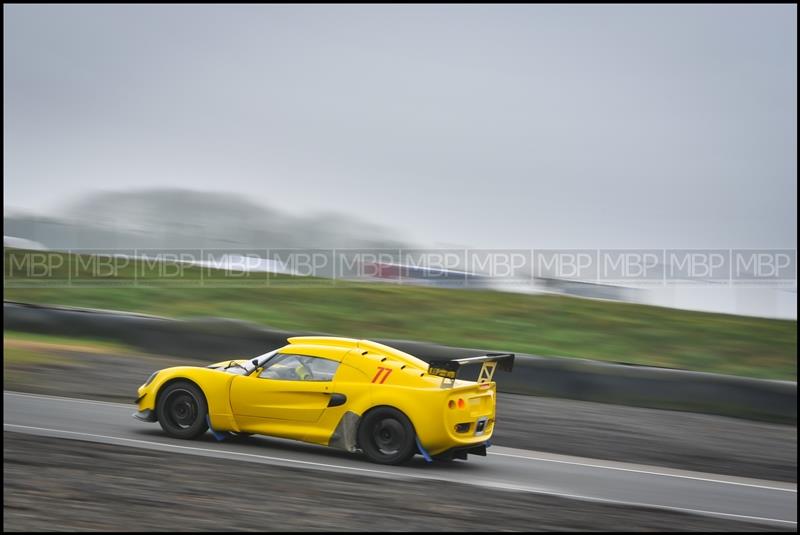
(448,369)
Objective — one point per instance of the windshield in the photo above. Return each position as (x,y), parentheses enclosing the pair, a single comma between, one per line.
(257,362)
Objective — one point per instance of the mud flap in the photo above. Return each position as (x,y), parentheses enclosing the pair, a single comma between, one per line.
(424,453)
(219,436)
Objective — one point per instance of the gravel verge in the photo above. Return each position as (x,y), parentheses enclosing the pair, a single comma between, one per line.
(54,484)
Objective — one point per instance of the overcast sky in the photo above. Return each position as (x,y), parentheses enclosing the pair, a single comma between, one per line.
(486,126)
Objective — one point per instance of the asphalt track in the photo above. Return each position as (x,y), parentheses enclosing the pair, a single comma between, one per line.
(504,468)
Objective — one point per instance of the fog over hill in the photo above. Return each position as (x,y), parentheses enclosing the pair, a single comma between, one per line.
(183,218)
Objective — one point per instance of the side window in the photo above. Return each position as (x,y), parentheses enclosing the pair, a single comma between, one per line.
(299,368)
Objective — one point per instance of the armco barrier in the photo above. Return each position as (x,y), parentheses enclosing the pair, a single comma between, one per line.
(216,339)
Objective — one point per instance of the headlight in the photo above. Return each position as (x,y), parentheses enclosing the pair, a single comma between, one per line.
(150,379)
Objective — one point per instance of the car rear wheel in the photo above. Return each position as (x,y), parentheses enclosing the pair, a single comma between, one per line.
(182,410)
(386,436)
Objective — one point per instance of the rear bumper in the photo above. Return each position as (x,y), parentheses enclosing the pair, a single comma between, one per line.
(461,452)
(146,415)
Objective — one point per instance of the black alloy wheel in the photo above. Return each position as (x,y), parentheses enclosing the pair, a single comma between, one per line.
(386,436)
(182,410)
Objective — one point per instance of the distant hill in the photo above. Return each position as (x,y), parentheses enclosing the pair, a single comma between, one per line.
(177,218)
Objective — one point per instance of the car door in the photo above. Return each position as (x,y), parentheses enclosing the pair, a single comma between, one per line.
(290,387)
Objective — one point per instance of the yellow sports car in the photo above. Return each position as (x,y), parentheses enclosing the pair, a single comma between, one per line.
(339,392)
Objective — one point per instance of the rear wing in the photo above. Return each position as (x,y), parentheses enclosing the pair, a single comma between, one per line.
(448,369)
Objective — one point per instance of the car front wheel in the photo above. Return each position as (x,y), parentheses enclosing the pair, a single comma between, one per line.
(182,410)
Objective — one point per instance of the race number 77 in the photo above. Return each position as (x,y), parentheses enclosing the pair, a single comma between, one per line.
(380,377)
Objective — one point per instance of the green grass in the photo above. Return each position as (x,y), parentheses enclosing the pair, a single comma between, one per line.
(112,348)
(18,361)
(539,324)
(25,356)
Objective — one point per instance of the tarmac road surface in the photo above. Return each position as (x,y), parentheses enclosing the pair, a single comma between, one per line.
(508,468)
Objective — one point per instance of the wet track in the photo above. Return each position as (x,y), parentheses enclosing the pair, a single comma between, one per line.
(508,468)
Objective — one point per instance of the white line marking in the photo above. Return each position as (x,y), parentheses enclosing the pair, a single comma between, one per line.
(217,451)
(74,400)
(665,474)
(404,474)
